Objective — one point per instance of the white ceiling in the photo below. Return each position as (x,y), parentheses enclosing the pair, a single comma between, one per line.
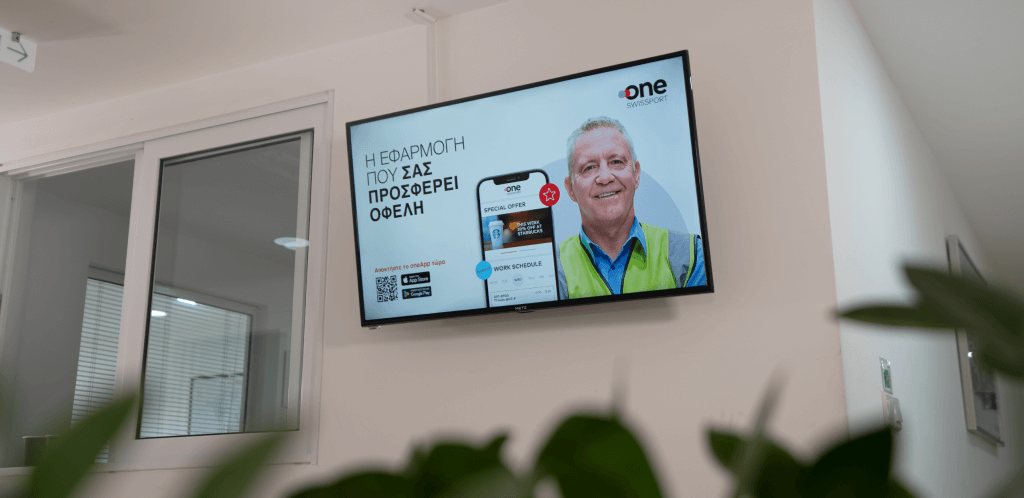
(959,65)
(94,50)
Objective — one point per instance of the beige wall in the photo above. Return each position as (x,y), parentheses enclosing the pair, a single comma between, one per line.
(690,361)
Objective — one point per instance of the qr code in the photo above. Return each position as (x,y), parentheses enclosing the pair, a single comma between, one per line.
(387,289)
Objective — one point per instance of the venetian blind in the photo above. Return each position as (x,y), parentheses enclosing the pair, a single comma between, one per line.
(195,369)
(97,354)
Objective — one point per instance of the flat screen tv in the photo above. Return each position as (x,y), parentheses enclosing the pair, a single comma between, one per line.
(583,189)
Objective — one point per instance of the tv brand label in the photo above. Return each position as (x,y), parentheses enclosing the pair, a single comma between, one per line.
(649,93)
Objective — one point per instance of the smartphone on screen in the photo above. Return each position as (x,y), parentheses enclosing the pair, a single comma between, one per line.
(517,239)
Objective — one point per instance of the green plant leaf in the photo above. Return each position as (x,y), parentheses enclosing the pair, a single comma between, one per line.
(751,456)
(1001,360)
(449,463)
(448,469)
(896,490)
(233,477)
(856,467)
(596,456)
(497,481)
(995,318)
(63,467)
(725,446)
(366,484)
(779,475)
(899,316)
(971,304)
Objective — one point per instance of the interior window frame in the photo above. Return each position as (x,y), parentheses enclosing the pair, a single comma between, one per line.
(313,113)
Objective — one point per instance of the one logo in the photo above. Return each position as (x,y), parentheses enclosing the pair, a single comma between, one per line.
(644,90)
(512,189)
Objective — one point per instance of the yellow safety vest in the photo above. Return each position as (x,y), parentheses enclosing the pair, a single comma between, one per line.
(644,272)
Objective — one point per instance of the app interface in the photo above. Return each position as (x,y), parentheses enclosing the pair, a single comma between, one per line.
(518,241)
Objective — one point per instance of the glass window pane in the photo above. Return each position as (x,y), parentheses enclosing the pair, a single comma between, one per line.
(195,368)
(62,319)
(224,340)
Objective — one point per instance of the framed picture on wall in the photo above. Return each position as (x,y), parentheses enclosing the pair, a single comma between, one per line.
(981,406)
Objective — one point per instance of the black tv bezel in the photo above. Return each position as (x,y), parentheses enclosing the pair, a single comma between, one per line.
(706,289)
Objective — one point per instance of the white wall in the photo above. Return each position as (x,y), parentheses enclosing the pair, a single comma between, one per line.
(889,203)
(692,361)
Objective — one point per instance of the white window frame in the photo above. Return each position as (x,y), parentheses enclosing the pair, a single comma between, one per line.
(314,112)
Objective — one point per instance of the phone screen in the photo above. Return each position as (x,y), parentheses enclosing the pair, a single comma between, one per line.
(518,239)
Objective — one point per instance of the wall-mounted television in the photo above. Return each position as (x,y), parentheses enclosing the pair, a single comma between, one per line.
(583,189)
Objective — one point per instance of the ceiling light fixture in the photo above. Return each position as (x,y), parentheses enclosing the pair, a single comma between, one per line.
(292,243)
(158,314)
(186,301)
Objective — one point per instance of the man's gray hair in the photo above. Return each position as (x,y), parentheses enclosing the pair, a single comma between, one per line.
(593,124)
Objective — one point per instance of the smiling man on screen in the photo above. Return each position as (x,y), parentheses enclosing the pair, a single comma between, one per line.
(614,253)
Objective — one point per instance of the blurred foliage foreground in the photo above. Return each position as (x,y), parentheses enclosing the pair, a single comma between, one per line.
(587,455)
(597,455)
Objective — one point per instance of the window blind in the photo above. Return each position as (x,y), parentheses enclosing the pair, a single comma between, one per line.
(97,354)
(195,370)
(196,359)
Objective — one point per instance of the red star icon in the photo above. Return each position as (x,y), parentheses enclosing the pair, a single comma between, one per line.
(549,194)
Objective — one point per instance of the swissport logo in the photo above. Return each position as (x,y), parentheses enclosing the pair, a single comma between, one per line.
(653,93)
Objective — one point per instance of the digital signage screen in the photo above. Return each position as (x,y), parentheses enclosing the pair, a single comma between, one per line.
(582,189)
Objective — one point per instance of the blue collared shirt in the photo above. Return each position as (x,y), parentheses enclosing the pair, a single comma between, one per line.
(613,271)
(698,276)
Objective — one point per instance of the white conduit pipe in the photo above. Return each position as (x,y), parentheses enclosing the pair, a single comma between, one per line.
(431,22)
